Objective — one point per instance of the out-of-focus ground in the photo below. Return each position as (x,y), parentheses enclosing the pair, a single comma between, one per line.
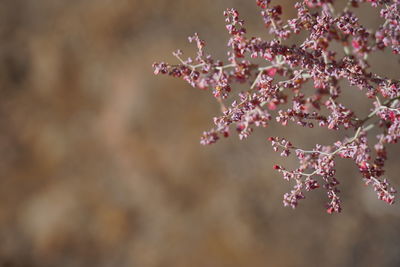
(101,163)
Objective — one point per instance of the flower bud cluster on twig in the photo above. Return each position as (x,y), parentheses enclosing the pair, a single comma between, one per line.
(277,89)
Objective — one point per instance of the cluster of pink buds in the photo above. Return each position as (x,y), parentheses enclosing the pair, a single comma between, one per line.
(299,83)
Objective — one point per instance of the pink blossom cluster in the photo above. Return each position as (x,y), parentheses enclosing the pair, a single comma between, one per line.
(299,83)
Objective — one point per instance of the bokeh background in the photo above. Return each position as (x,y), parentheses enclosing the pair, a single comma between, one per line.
(101,163)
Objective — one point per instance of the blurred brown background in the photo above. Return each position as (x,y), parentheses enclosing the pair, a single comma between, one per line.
(101,163)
